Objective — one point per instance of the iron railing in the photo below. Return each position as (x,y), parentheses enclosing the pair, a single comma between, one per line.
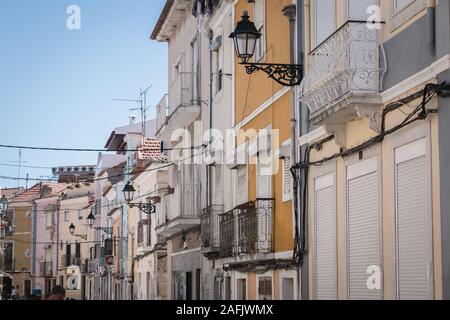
(46,269)
(227,234)
(210,226)
(184,91)
(68,261)
(346,62)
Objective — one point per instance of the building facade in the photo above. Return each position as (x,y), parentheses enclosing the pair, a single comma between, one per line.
(372,149)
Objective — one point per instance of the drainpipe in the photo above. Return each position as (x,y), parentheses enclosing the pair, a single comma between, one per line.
(290,12)
(211,79)
(33,250)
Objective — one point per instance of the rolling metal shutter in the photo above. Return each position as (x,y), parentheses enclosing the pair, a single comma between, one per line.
(324,20)
(413,219)
(363,228)
(357,9)
(325,265)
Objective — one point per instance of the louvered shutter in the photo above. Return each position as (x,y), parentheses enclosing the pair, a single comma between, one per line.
(259,13)
(325,265)
(241,185)
(401,4)
(413,217)
(357,9)
(219,185)
(324,19)
(287,183)
(363,228)
(264,177)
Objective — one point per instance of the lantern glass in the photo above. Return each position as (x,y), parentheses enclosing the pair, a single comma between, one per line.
(245,37)
(4,204)
(91,219)
(72,229)
(128,192)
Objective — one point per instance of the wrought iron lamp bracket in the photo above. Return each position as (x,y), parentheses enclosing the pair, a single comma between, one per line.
(285,74)
(147,208)
(107,230)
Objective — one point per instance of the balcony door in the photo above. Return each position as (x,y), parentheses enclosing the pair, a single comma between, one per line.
(195,56)
(324,20)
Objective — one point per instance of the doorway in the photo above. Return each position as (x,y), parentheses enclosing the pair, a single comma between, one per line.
(188,286)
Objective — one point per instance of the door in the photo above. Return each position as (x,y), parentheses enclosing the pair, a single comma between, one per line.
(48,287)
(198,279)
(27,288)
(83,287)
(188,286)
(68,254)
(363,230)
(325,265)
(324,12)
(241,289)
(287,289)
(413,222)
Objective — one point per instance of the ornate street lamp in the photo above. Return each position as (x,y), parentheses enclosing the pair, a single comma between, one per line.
(91,221)
(3,205)
(128,193)
(245,37)
(72,232)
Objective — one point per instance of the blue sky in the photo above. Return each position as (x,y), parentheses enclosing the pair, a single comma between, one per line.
(56,84)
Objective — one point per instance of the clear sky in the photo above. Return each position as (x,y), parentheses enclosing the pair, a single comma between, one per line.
(56,84)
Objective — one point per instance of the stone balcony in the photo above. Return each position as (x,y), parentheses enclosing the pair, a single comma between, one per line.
(342,79)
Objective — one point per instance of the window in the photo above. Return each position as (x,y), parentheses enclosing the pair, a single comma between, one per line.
(404,10)
(8,254)
(324,256)
(241,185)
(218,67)
(80,214)
(265,288)
(227,288)
(48,219)
(241,289)
(414,263)
(264,176)
(363,227)
(66,215)
(287,293)
(287,179)
(218,189)
(324,20)
(357,9)
(259,17)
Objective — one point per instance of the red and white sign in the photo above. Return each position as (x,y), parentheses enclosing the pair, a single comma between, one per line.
(150,149)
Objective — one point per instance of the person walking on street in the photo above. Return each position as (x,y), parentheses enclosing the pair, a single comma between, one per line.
(58,293)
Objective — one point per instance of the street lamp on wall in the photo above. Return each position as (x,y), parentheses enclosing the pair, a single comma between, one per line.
(245,38)
(3,205)
(72,232)
(91,221)
(128,193)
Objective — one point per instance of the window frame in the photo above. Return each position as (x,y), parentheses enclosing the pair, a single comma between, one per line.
(400,16)
(260,54)
(265,276)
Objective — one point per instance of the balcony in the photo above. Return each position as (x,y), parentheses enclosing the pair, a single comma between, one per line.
(70,261)
(254,229)
(343,76)
(179,211)
(210,228)
(227,233)
(46,269)
(181,107)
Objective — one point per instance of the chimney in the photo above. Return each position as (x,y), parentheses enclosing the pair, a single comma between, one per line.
(132,119)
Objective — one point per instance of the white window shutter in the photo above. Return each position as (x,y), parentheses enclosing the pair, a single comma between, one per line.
(324,20)
(357,9)
(219,197)
(363,234)
(241,185)
(264,176)
(287,179)
(413,230)
(401,4)
(259,13)
(325,264)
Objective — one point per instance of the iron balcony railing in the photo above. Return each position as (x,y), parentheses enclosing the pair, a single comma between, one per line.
(184,91)
(210,226)
(253,222)
(46,269)
(68,261)
(227,234)
(345,63)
